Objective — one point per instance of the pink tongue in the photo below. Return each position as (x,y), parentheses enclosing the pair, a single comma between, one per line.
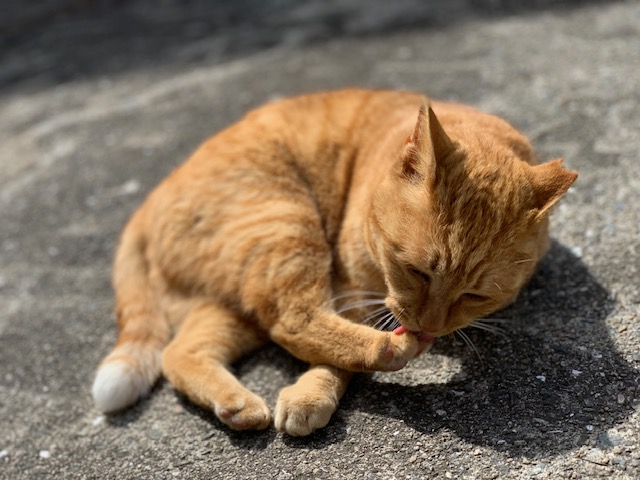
(423,337)
(400,330)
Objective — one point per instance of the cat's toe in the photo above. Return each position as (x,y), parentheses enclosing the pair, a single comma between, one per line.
(398,351)
(244,412)
(299,414)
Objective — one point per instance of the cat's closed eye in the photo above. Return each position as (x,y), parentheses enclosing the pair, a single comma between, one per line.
(474,297)
(416,272)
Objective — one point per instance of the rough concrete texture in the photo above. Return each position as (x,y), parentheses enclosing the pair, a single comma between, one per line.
(99,100)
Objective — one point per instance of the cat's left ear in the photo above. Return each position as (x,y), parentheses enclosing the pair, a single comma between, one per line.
(551,181)
(425,146)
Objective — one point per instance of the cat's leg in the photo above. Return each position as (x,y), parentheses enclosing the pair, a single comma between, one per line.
(309,403)
(288,283)
(272,255)
(196,362)
(320,336)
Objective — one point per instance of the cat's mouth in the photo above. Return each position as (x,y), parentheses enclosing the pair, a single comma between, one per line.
(414,324)
(397,327)
(423,337)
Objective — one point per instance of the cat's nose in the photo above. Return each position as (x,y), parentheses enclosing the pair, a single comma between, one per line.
(433,324)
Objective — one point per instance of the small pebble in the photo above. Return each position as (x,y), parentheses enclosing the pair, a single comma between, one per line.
(537,470)
(542,378)
(576,373)
(590,428)
(44,454)
(4,453)
(98,420)
(441,413)
(621,398)
(153,434)
(130,187)
(577,251)
(618,460)
(596,456)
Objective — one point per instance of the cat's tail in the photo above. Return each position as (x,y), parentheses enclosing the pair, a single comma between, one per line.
(134,364)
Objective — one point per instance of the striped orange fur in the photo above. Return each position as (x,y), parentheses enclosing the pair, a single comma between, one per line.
(255,237)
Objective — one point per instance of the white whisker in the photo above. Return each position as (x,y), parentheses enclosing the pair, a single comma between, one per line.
(493,320)
(358,293)
(490,328)
(376,313)
(468,341)
(391,325)
(375,320)
(359,304)
(526,260)
(381,320)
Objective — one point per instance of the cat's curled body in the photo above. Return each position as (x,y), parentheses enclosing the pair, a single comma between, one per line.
(304,199)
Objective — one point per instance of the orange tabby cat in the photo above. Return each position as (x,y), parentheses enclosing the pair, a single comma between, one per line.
(307,202)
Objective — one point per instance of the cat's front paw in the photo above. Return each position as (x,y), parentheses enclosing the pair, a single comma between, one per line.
(299,413)
(401,346)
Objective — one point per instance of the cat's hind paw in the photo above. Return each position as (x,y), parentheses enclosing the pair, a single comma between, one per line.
(245,411)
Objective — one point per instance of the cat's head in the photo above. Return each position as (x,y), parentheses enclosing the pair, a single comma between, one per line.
(457,227)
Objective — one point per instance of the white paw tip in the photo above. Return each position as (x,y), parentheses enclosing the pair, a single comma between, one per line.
(117,386)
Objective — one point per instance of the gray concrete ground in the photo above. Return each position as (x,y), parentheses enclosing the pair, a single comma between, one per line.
(99,100)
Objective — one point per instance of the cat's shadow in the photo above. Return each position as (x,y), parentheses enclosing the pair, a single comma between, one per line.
(556,383)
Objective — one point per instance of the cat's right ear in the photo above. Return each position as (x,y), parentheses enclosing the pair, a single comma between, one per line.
(425,146)
(551,181)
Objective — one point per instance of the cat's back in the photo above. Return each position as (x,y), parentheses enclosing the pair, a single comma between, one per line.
(343,119)
(305,143)
(277,158)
